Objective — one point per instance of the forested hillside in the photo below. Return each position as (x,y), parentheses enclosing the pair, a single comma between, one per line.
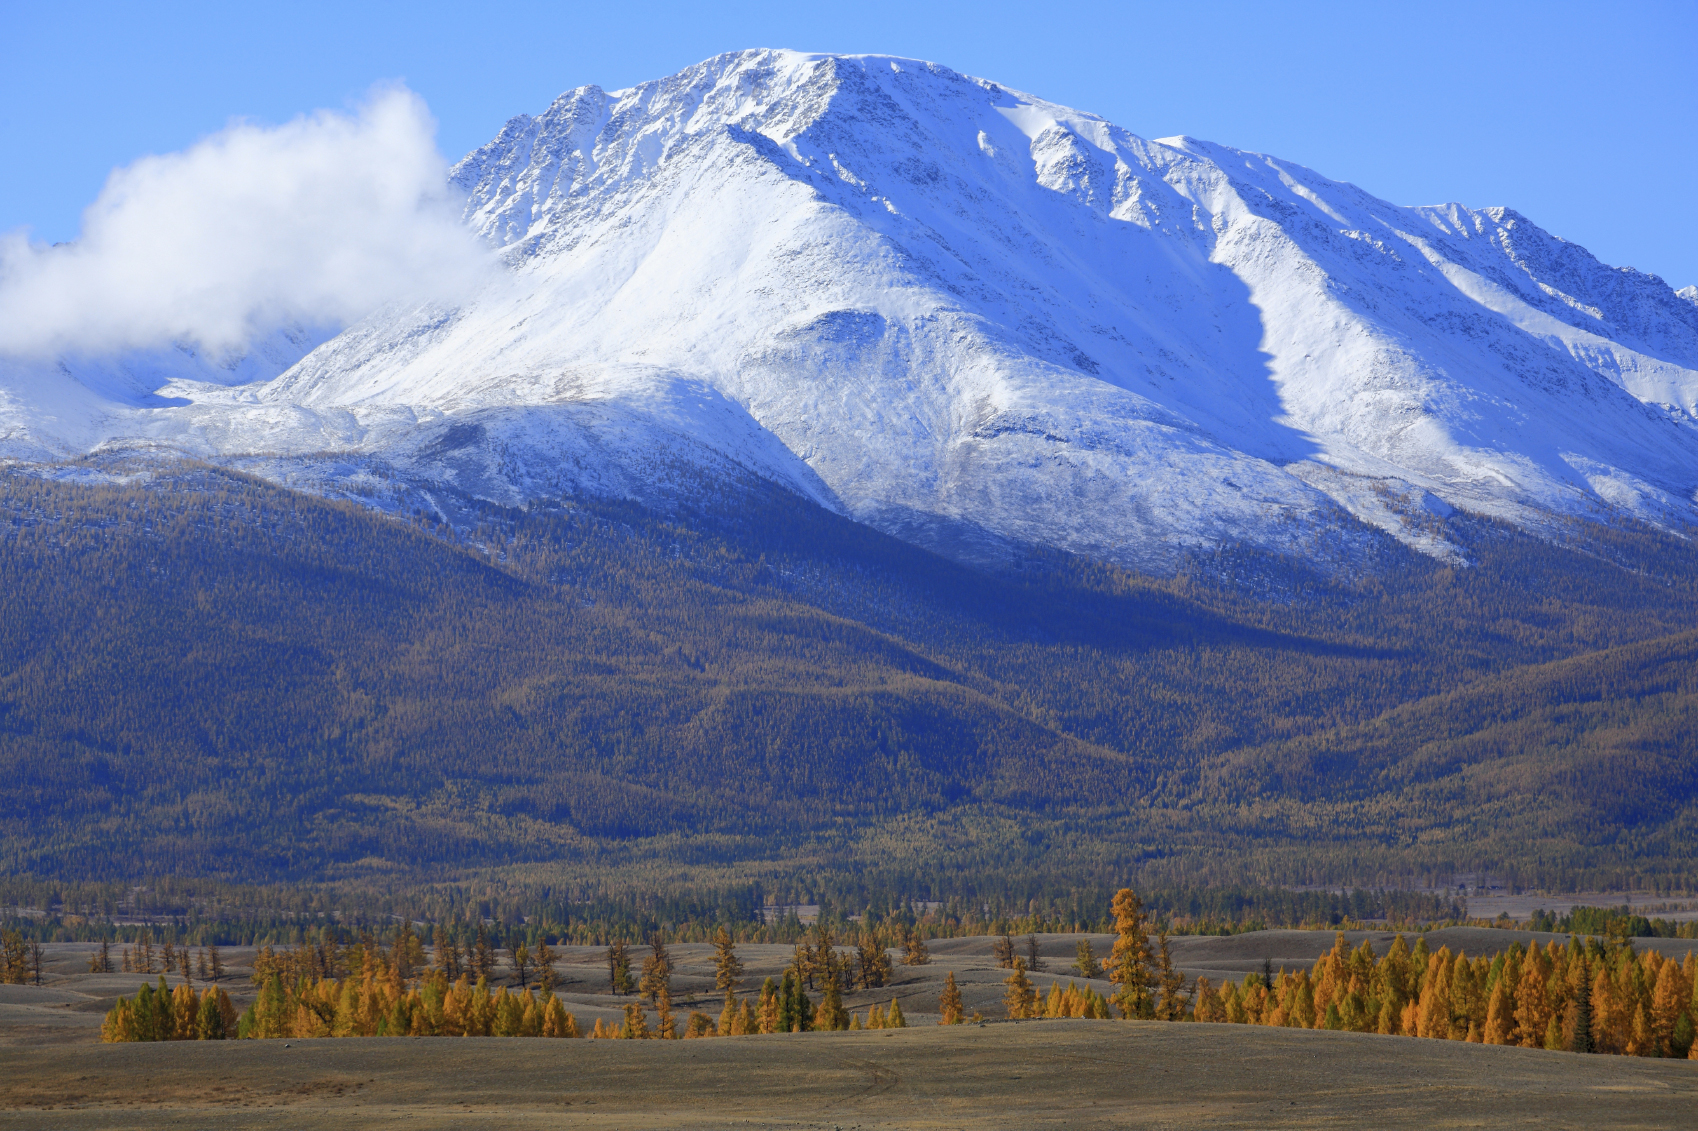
(204,674)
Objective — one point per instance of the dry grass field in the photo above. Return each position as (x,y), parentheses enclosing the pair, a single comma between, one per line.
(1038,1074)
(1035,1074)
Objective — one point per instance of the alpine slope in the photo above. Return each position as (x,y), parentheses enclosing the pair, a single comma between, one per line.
(966,316)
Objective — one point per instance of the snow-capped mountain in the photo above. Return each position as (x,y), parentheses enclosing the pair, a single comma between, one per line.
(972,318)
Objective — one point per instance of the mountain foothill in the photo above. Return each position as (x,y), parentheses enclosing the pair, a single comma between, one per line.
(851,466)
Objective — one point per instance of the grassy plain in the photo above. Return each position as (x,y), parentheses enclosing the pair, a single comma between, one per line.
(68,1007)
(1041,1074)
(1005,1074)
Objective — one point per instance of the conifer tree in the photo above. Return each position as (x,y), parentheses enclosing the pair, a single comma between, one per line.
(36,960)
(823,956)
(1610,1018)
(213,1014)
(1498,1025)
(14,957)
(401,952)
(1129,963)
(874,962)
(185,1013)
(270,1011)
(1580,1005)
(893,1018)
(556,1022)
(727,967)
(1532,1016)
(1034,960)
(747,1022)
(1467,1004)
(1171,983)
(636,1025)
(914,952)
(1641,1042)
(1087,963)
(1003,949)
(530,1015)
(119,1024)
(1209,1009)
(666,1027)
(547,976)
(1391,982)
(495,1013)
(215,963)
(447,952)
(619,966)
(803,960)
(1668,1002)
(101,961)
(480,1015)
(861,962)
(801,1009)
(657,970)
(831,1015)
(483,955)
(1020,998)
(785,1021)
(774,1010)
(522,965)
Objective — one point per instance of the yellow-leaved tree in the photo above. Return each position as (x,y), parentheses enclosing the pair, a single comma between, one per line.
(1129,962)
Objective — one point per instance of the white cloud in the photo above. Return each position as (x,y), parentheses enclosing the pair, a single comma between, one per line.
(315,222)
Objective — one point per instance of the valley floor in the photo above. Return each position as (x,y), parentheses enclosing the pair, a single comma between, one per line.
(1081,1074)
(67,1008)
(1077,1074)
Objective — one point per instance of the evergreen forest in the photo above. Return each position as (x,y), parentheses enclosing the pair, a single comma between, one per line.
(203,674)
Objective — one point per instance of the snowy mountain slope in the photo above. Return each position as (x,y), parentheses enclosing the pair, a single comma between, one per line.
(972,317)
(66,406)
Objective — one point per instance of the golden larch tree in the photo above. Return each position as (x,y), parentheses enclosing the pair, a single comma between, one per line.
(1129,962)
(949,1002)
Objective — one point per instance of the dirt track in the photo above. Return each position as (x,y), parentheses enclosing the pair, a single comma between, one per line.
(1042,1074)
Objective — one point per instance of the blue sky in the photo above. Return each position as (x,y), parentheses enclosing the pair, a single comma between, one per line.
(1581,116)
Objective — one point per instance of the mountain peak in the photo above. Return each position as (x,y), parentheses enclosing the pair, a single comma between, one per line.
(982,320)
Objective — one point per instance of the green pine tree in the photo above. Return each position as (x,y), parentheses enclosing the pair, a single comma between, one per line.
(801,1009)
(787,991)
(1580,1038)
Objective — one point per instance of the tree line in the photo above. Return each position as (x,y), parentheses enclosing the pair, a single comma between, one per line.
(1600,995)
(201,912)
(1597,995)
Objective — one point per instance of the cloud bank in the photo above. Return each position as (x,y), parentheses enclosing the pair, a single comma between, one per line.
(316,222)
